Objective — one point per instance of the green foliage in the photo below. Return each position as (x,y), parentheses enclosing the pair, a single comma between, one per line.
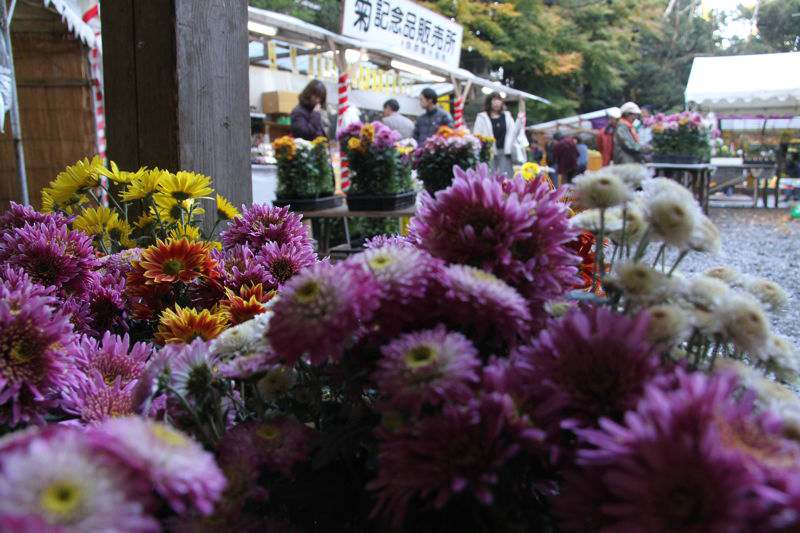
(779,24)
(326,16)
(375,172)
(435,164)
(308,174)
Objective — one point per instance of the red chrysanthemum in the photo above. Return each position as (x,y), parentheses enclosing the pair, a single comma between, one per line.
(176,260)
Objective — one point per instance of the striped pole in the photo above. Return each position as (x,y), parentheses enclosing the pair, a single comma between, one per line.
(458,113)
(344,83)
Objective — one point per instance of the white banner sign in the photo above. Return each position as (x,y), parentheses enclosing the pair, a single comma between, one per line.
(421,33)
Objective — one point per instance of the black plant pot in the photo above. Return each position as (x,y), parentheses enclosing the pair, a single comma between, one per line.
(381,202)
(677,159)
(310,204)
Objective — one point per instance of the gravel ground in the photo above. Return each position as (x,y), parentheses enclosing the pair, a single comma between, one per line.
(759,242)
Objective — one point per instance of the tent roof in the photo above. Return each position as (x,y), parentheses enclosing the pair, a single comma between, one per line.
(749,82)
(574,121)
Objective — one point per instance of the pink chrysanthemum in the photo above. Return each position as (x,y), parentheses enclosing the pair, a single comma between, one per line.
(679,462)
(491,312)
(590,364)
(427,368)
(51,255)
(277,444)
(66,482)
(237,267)
(101,307)
(514,228)
(284,261)
(379,241)
(17,215)
(261,224)
(177,467)
(460,451)
(114,357)
(35,345)
(319,312)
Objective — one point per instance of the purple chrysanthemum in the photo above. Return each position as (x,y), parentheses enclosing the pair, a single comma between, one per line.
(679,462)
(16,278)
(67,482)
(284,261)
(35,342)
(119,264)
(261,224)
(590,364)
(114,357)
(277,444)
(101,307)
(429,367)
(177,467)
(51,255)
(238,267)
(379,241)
(319,312)
(491,312)
(462,450)
(511,227)
(17,215)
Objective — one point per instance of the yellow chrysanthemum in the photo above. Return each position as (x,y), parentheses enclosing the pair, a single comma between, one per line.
(185,324)
(75,180)
(145,222)
(354,143)
(95,220)
(185,185)
(185,231)
(225,209)
(123,177)
(284,148)
(530,171)
(71,207)
(144,185)
(321,140)
(367,133)
(119,231)
(172,211)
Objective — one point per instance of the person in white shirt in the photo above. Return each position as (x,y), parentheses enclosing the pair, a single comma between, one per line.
(509,135)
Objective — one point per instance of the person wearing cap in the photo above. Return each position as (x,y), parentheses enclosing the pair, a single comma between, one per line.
(627,148)
(605,139)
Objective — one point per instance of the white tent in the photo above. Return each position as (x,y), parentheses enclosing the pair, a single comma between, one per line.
(750,84)
(575,121)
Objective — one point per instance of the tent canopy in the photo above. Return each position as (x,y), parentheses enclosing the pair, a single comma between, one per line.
(583,121)
(749,83)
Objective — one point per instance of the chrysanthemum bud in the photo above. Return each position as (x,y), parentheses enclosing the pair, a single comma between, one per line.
(600,189)
(769,293)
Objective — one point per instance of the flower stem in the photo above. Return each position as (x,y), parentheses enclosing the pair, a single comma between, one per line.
(658,255)
(599,249)
(680,258)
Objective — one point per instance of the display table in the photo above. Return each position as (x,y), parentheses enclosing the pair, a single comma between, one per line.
(321,228)
(696,177)
(727,175)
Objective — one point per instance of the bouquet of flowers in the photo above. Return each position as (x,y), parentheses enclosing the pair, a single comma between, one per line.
(681,134)
(435,159)
(451,379)
(304,168)
(377,164)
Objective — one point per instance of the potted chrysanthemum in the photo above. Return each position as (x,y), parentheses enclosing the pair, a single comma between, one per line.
(435,159)
(305,175)
(380,169)
(681,138)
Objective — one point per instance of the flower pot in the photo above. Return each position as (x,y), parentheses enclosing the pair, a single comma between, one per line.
(677,159)
(381,202)
(310,204)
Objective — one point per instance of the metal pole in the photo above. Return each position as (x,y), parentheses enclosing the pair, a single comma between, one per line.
(16,130)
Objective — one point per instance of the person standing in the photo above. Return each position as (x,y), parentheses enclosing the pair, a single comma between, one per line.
(605,139)
(565,157)
(509,137)
(627,148)
(393,119)
(432,118)
(583,155)
(306,119)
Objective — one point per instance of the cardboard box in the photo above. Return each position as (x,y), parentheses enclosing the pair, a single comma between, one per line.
(279,101)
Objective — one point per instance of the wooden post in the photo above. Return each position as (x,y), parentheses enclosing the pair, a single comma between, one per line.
(176,79)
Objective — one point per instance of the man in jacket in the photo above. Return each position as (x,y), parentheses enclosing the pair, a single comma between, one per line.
(396,121)
(627,148)
(605,139)
(432,119)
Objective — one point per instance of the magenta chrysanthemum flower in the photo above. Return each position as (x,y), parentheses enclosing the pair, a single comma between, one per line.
(51,255)
(119,264)
(277,444)
(17,279)
(319,312)
(35,345)
(461,450)
(590,364)
(261,224)
(17,215)
(66,482)
(427,368)
(238,267)
(284,261)
(113,357)
(679,463)
(101,307)
(177,467)
(508,226)
(492,313)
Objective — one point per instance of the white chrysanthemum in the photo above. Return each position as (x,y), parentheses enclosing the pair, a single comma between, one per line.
(277,382)
(589,220)
(600,190)
(729,275)
(768,293)
(672,217)
(634,225)
(669,325)
(782,358)
(641,283)
(632,174)
(705,236)
(657,186)
(242,340)
(70,486)
(704,292)
(780,400)
(192,368)
(744,322)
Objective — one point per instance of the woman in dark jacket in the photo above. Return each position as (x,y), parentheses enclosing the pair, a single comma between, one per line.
(306,117)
